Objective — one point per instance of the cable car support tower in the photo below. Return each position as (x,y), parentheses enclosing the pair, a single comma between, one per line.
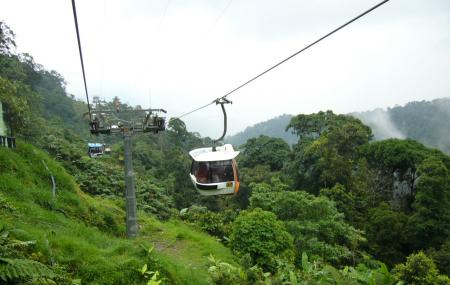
(106,122)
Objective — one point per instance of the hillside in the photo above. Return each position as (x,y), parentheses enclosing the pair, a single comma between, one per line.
(426,121)
(79,237)
(273,128)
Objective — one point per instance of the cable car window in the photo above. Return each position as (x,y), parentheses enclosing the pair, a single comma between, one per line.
(221,171)
(213,171)
(96,150)
(201,171)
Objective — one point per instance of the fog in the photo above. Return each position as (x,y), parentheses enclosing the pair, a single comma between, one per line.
(381,124)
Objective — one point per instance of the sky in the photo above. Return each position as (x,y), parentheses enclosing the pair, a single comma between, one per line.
(181,54)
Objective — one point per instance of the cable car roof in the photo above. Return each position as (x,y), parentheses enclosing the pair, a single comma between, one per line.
(95,145)
(225,152)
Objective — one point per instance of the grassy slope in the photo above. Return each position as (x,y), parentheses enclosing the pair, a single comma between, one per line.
(86,234)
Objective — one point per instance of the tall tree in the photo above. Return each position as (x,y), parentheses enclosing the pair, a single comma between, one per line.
(265,150)
(328,145)
(431,217)
(7,39)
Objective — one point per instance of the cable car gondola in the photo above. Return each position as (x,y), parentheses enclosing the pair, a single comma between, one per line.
(214,169)
(95,149)
(214,172)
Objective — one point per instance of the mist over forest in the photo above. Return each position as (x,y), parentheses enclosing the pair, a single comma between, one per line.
(425,121)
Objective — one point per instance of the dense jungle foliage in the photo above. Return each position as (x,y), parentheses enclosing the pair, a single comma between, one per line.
(335,208)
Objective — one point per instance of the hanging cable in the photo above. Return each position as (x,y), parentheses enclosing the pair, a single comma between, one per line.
(195,110)
(164,13)
(305,48)
(288,58)
(81,58)
(220,15)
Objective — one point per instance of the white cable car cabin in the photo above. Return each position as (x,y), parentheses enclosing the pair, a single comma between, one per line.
(95,149)
(215,172)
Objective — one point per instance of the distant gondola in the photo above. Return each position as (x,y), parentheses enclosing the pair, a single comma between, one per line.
(96,149)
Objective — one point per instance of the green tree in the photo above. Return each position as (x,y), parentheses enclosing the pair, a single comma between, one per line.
(343,200)
(247,176)
(7,39)
(15,103)
(314,125)
(386,230)
(265,150)
(328,145)
(259,234)
(317,227)
(442,257)
(419,269)
(431,205)
(396,162)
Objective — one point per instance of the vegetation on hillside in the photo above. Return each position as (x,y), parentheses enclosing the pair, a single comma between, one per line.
(272,128)
(74,236)
(427,122)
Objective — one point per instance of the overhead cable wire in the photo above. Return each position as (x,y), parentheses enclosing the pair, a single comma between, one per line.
(195,110)
(290,57)
(219,17)
(164,13)
(81,57)
(305,48)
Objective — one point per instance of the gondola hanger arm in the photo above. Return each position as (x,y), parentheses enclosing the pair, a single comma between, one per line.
(222,101)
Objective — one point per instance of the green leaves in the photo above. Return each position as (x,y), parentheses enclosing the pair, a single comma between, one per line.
(322,123)
(223,273)
(144,268)
(420,269)
(259,234)
(15,99)
(152,276)
(7,39)
(431,205)
(317,227)
(23,269)
(328,145)
(265,150)
(14,266)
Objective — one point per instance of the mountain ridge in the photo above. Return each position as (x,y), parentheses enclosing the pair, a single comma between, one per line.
(425,121)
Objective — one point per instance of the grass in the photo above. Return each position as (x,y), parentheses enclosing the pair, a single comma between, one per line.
(86,235)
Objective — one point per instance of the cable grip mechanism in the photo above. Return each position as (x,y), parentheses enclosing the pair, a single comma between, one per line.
(222,101)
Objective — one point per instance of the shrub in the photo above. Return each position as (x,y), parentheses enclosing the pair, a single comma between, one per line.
(420,269)
(259,234)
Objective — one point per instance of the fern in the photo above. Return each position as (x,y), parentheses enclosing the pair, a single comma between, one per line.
(12,248)
(23,269)
(15,267)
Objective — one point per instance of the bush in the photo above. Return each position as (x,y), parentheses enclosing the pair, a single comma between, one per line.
(314,222)
(419,269)
(259,234)
(223,273)
(216,224)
